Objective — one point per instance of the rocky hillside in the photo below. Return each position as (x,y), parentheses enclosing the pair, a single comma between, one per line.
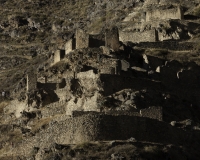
(100,79)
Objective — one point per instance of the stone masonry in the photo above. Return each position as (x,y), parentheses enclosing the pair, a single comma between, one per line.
(174,13)
(58,55)
(82,39)
(69,46)
(112,39)
(146,36)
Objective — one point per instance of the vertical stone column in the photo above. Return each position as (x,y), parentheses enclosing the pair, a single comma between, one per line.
(31,81)
(82,39)
(68,46)
(27,80)
(180,13)
(57,56)
(112,38)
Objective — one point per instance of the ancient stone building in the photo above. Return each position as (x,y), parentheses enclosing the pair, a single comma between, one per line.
(173,13)
(146,36)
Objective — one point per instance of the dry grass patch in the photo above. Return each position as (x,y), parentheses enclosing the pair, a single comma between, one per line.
(3,105)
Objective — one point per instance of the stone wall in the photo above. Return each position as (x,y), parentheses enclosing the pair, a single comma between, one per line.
(93,127)
(153,113)
(82,39)
(31,81)
(69,46)
(174,13)
(53,109)
(114,83)
(58,55)
(110,66)
(171,45)
(96,40)
(112,39)
(89,84)
(146,36)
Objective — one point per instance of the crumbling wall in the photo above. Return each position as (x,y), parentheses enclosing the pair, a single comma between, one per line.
(93,127)
(96,40)
(171,45)
(114,83)
(89,86)
(174,13)
(146,36)
(112,39)
(69,46)
(82,39)
(58,55)
(152,112)
(31,81)
(110,66)
(52,109)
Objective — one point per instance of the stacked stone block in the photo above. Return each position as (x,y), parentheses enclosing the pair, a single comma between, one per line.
(112,38)
(82,39)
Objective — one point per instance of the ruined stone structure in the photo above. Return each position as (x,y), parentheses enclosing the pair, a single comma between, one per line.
(82,39)
(110,66)
(151,112)
(96,127)
(174,13)
(153,29)
(112,39)
(70,46)
(171,45)
(58,55)
(146,36)
(31,81)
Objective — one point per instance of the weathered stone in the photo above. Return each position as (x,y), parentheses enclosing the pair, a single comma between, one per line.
(146,36)
(121,98)
(174,13)
(132,140)
(106,50)
(82,39)
(112,39)
(129,102)
(69,46)
(188,122)
(124,65)
(173,123)
(58,55)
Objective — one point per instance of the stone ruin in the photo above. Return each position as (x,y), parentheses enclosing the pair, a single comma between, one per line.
(83,40)
(58,55)
(79,98)
(173,13)
(152,33)
(112,39)
(31,80)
